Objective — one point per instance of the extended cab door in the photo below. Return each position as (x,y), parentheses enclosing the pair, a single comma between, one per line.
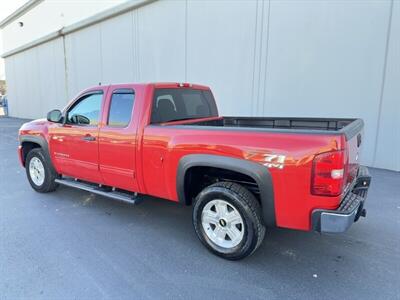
(74,144)
(118,139)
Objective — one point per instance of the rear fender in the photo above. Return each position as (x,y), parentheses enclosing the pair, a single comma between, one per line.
(259,173)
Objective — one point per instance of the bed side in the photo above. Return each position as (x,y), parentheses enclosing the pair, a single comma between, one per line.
(287,156)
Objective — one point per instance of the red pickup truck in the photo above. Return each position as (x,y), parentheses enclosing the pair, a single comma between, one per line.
(240,174)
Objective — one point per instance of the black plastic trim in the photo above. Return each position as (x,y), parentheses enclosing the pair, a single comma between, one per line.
(259,173)
(37,140)
(352,129)
(41,141)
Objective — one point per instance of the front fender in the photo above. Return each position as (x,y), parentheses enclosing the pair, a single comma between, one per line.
(37,139)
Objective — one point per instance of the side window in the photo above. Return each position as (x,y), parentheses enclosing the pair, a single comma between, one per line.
(121,108)
(86,111)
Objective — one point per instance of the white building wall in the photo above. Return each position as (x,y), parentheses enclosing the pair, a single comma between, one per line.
(387,150)
(83,56)
(36,80)
(272,58)
(161,41)
(118,52)
(49,16)
(327,61)
(222,52)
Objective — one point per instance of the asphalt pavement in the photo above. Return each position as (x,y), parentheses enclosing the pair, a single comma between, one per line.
(70,244)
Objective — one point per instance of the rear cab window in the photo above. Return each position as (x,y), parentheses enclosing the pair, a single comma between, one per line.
(175,104)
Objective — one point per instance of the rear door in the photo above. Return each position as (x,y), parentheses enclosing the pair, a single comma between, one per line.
(118,139)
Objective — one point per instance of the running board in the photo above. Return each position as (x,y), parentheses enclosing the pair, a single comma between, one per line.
(95,189)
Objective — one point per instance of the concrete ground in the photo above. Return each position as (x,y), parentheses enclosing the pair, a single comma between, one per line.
(73,245)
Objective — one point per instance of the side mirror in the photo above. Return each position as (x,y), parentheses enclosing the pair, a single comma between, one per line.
(55,116)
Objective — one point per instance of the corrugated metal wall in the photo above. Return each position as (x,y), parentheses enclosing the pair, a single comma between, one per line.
(36,80)
(278,58)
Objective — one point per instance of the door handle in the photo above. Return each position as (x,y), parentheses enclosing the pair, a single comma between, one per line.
(89,138)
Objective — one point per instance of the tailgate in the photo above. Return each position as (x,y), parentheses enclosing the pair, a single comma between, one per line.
(354,138)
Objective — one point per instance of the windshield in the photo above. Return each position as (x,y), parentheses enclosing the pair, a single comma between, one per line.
(176,104)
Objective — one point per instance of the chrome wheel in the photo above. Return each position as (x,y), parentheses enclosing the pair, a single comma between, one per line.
(36,171)
(222,223)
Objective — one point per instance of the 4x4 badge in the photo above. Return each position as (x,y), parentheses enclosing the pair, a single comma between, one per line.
(274,161)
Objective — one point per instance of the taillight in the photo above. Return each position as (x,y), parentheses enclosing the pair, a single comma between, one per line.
(328,173)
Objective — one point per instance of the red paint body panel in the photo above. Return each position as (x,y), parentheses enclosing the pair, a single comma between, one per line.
(144,158)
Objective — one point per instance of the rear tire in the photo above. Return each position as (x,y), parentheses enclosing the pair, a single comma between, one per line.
(227,220)
(40,172)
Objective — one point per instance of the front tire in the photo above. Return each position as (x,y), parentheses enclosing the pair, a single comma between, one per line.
(40,172)
(227,220)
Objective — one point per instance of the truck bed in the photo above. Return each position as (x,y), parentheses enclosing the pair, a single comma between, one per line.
(349,127)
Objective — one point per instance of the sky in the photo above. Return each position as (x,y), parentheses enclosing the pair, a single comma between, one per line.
(7,7)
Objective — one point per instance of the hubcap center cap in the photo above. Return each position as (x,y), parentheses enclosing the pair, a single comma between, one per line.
(222,222)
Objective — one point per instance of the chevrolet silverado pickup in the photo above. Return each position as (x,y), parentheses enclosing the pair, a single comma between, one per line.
(240,174)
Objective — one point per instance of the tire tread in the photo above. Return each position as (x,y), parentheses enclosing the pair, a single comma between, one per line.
(251,205)
(251,202)
(49,184)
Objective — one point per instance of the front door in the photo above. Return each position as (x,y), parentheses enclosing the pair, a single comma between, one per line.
(74,144)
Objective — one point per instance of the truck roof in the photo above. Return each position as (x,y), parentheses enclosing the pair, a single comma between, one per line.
(158,85)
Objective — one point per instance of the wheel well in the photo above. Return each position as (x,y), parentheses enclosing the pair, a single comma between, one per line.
(26,148)
(197,178)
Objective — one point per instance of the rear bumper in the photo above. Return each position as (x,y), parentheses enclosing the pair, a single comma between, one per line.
(350,210)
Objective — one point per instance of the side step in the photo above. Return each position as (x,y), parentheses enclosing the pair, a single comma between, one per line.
(95,189)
